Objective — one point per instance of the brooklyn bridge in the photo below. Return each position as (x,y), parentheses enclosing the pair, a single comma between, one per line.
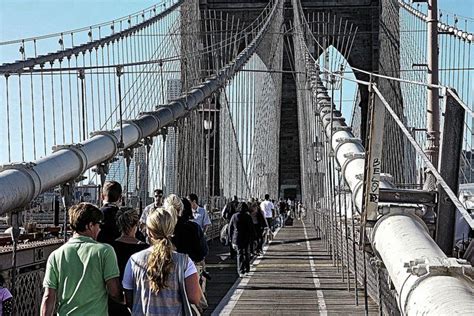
(359,113)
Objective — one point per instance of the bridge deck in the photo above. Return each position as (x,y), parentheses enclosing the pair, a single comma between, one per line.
(295,275)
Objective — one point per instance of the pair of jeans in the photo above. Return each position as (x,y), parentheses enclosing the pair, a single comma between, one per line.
(243,259)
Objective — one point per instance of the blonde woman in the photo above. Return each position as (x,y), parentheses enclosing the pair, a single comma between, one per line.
(151,279)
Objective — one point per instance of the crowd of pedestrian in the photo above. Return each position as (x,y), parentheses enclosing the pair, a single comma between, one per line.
(120,262)
(251,224)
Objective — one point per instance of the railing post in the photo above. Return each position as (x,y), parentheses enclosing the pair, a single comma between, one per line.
(432,107)
(449,170)
(373,163)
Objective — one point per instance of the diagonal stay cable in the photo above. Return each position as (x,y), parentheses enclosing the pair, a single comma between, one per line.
(48,58)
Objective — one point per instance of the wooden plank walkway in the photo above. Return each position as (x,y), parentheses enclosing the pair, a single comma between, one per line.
(295,276)
(223,273)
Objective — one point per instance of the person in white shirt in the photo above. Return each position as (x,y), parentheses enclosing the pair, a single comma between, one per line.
(199,213)
(268,208)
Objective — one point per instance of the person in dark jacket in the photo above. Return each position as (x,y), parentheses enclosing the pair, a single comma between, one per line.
(125,246)
(241,233)
(111,195)
(230,209)
(259,224)
(188,236)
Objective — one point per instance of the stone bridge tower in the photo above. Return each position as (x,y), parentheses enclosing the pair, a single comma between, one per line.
(375,49)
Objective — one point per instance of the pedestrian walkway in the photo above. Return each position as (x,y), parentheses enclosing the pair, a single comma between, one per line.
(294,276)
(223,273)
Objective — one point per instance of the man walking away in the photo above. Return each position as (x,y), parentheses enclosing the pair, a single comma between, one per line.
(230,209)
(81,273)
(111,195)
(241,232)
(267,207)
(283,211)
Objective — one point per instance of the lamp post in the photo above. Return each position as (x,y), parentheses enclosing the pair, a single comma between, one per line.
(208,128)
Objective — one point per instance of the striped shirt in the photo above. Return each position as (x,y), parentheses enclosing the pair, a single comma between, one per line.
(167,301)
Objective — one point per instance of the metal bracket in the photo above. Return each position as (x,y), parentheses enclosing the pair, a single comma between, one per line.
(163,131)
(127,153)
(425,267)
(342,129)
(134,123)
(324,100)
(335,113)
(159,106)
(155,117)
(28,169)
(335,118)
(110,134)
(376,262)
(344,140)
(394,209)
(66,146)
(23,165)
(408,196)
(350,157)
(102,169)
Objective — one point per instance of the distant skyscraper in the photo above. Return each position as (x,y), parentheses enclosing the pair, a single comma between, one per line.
(141,183)
(173,92)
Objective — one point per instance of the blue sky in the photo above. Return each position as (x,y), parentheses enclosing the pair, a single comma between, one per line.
(30,18)
(25,18)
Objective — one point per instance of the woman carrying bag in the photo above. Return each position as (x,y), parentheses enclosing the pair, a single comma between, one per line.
(158,280)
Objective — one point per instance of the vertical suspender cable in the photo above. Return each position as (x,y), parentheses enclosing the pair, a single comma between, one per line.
(33,125)
(63,128)
(22,138)
(81,77)
(71,114)
(43,110)
(9,151)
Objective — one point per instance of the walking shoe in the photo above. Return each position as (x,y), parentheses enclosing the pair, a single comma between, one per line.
(241,275)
